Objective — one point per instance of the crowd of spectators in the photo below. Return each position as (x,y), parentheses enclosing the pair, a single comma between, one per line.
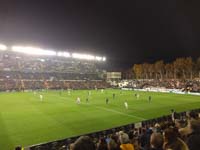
(11,61)
(184,85)
(20,72)
(13,85)
(178,131)
(18,75)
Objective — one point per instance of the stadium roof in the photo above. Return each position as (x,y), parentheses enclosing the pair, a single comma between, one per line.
(39,51)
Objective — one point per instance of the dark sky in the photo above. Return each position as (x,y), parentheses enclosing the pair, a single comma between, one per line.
(126,31)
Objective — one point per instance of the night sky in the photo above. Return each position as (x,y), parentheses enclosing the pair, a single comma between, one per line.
(125,31)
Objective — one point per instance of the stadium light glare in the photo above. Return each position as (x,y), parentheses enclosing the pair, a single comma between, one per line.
(3,47)
(42,60)
(39,51)
(63,54)
(98,58)
(83,56)
(33,51)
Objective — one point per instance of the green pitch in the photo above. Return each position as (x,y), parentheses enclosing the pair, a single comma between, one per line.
(25,120)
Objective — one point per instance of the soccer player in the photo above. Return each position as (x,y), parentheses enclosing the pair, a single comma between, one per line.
(78,101)
(69,93)
(89,93)
(107,100)
(120,92)
(126,104)
(113,95)
(149,99)
(87,100)
(138,96)
(41,97)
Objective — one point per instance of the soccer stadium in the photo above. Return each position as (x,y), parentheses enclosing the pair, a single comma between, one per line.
(49,99)
(99,75)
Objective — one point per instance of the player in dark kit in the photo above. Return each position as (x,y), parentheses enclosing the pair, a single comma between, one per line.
(120,92)
(113,95)
(87,100)
(149,99)
(107,100)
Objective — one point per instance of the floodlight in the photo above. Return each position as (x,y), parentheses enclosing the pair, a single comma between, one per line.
(39,51)
(3,47)
(63,54)
(33,51)
(83,56)
(98,58)
(40,59)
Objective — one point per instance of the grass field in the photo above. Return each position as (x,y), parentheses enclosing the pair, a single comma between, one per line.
(25,120)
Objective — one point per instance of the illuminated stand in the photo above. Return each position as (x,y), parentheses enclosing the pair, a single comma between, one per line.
(39,51)
(45,52)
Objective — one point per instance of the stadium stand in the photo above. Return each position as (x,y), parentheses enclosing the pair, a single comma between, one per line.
(19,72)
(183,85)
(156,134)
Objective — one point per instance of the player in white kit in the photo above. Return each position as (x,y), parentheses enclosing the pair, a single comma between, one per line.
(126,104)
(78,101)
(138,96)
(41,97)
(68,91)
